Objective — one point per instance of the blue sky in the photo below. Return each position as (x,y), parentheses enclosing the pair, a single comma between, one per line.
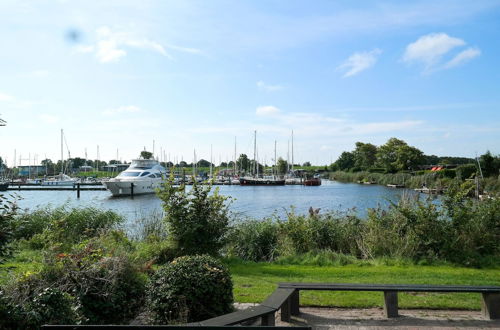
(191,74)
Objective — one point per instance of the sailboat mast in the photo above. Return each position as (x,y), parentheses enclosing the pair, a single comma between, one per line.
(254,152)
(62,156)
(292,149)
(275,162)
(211,176)
(235,155)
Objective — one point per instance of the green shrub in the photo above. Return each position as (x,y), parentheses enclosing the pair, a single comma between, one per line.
(189,289)
(466,171)
(254,240)
(197,221)
(8,211)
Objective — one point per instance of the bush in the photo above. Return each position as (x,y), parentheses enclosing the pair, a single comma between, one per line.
(197,221)
(62,227)
(189,289)
(254,240)
(8,211)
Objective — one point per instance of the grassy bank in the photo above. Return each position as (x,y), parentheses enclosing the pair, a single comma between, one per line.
(253,282)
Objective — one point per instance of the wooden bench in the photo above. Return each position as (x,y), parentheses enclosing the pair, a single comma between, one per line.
(164,327)
(490,294)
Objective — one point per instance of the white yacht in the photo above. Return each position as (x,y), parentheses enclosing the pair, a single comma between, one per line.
(145,174)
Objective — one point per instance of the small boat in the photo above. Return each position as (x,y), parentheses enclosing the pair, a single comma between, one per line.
(60,180)
(314,181)
(145,175)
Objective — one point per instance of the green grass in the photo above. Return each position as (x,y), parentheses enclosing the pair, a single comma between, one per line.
(253,282)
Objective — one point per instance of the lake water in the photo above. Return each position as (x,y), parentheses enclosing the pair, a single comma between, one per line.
(248,201)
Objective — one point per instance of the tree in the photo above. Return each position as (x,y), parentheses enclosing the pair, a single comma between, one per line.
(183,164)
(306,164)
(345,161)
(243,162)
(203,163)
(282,166)
(489,164)
(77,162)
(365,155)
(197,221)
(146,154)
(223,164)
(396,155)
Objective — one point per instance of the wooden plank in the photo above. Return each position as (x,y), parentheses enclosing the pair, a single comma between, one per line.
(278,297)
(168,327)
(390,287)
(239,316)
(294,303)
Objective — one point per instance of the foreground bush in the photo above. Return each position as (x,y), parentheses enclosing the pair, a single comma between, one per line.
(197,221)
(189,289)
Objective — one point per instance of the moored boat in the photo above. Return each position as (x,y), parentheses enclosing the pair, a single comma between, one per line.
(264,181)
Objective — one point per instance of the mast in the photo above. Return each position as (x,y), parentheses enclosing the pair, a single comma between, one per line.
(275,161)
(255,152)
(292,149)
(62,156)
(211,162)
(235,155)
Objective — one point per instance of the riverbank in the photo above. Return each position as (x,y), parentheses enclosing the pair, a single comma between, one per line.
(438,181)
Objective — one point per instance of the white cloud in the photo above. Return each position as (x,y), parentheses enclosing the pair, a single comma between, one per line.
(463,57)
(112,46)
(122,109)
(267,87)
(267,110)
(359,62)
(48,119)
(430,49)
(5,97)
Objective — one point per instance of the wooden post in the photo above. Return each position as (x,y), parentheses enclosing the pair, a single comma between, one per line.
(491,305)
(268,319)
(294,303)
(132,190)
(391,303)
(285,311)
(78,190)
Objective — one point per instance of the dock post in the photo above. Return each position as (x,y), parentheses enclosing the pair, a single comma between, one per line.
(391,303)
(78,190)
(132,190)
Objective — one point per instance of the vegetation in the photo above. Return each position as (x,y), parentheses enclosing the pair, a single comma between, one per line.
(190,289)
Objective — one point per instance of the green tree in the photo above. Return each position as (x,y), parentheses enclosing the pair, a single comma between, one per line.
(203,163)
(146,154)
(282,166)
(306,164)
(365,155)
(489,164)
(197,221)
(397,155)
(243,162)
(346,161)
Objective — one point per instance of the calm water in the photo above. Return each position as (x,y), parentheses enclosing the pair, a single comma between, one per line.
(254,202)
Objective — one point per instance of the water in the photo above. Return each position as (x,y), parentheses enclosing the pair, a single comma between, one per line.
(248,201)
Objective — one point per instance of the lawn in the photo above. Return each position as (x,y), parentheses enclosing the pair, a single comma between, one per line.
(253,282)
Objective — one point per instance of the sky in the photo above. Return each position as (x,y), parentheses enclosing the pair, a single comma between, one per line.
(195,76)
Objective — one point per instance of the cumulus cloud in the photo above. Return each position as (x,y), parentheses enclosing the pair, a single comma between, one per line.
(463,57)
(430,49)
(267,110)
(112,46)
(359,62)
(267,87)
(122,109)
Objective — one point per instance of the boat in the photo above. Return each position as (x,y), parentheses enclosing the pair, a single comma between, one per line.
(314,181)
(255,180)
(144,175)
(59,180)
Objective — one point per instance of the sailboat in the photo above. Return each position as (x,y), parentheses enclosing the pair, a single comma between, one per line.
(255,180)
(61,179)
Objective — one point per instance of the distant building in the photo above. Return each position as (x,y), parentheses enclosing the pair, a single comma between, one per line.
(32,170)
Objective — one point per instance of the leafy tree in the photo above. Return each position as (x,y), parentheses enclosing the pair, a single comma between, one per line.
(397,155)
(146,154)
(282,166)
(77,162)
(307,164)
(243,162)
(365,155)
(114,161)
(490,165)
(197,221)
(223,164)
(203,163)
(346,161)
(183,164)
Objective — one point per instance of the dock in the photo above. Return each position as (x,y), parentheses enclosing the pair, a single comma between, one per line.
(396,185)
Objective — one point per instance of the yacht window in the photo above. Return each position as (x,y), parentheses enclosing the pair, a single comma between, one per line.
(145,173)
(130,174)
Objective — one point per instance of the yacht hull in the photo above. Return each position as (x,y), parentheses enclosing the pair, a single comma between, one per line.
(124,188)
(261,182)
